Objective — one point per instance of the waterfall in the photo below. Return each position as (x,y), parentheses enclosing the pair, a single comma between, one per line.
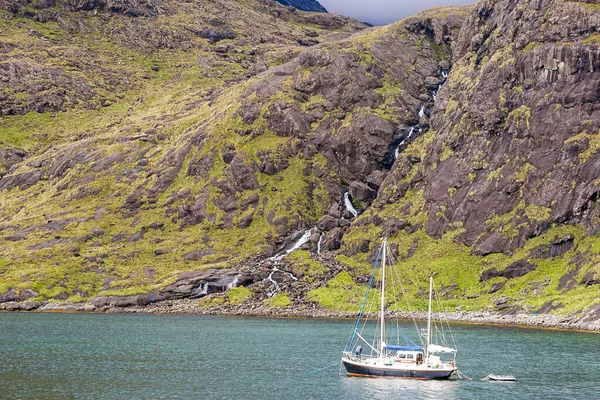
(349,205)
(303,239)
(445,74)
(319,242)
(233,283)
(299,243)
(422,112)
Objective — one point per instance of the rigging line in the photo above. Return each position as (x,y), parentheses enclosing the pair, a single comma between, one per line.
(447,323)
(368,344)
(413,316)
(396,279)
(321,369)
(354,332)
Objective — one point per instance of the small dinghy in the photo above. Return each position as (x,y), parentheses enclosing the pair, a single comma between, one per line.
(500,378)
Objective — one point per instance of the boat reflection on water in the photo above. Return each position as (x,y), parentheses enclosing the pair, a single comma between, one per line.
(386,388)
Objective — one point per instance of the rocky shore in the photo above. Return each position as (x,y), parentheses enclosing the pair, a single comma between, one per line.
(589,321)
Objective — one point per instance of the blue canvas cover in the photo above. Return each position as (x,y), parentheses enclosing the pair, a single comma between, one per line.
(404,348)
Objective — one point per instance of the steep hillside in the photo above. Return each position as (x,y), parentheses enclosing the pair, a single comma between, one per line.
(503,204)
(182,149)
(103,108)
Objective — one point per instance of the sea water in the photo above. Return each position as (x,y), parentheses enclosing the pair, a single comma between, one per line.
(125,356)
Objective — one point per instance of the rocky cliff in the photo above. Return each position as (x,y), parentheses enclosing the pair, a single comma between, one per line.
(273,148)
(305,5)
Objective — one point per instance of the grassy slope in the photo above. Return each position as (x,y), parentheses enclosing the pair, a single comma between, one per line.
(176,101)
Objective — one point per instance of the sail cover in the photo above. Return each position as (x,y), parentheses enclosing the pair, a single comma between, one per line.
(403,348)
(434,348)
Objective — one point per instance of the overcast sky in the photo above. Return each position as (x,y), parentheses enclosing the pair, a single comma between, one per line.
(380,12)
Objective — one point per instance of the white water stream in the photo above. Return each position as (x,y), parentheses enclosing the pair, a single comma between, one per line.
(319,242)
(299,243)
(276,287)
(349,205)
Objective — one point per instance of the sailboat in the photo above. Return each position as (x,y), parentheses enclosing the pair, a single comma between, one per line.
(422,361)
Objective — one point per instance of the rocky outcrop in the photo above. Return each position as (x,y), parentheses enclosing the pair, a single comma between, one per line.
(488,163)
(196,284)
(305,5)
(140,300)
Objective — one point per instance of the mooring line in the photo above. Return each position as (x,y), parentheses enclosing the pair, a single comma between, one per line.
(321,369)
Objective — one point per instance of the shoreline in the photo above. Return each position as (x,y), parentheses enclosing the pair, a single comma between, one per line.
(189,307)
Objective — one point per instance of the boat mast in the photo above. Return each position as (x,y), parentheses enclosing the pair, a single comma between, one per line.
(382,310)
(429,317)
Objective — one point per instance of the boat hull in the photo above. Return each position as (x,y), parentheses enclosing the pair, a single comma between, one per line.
(359,369)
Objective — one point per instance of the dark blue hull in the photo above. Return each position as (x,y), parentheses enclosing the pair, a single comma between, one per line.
(356,369)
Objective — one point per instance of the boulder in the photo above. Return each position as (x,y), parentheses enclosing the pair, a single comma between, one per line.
(140,300)
(361,191)
(14,295)
(327,223)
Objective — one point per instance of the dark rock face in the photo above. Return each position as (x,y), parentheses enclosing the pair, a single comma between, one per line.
(23,181)
(195,284)
(506,94)
(22,295)
(515,270)
(304,5)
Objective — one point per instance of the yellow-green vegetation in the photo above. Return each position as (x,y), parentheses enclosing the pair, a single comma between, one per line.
(457,275)
(520,116)
(280,300)
(593,144)
(537,213)
(305,267)
(239,295)
(211,301)
(341,293)
(522,173)
(163,96)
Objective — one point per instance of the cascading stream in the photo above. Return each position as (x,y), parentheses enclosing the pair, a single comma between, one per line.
(299,243)
(349,206)
(415,130)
